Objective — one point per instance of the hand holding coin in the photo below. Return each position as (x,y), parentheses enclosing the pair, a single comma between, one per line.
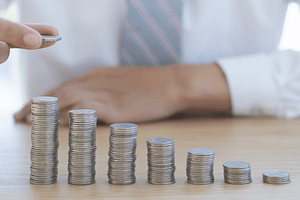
(26,36)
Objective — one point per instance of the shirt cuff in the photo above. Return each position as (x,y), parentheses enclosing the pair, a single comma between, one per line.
(251,84)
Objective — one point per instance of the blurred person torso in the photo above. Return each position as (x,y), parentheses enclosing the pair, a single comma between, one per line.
(92,34)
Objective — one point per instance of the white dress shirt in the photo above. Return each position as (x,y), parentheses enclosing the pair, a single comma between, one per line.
(242,36)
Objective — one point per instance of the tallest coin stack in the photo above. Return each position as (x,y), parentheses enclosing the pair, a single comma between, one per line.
(44,138)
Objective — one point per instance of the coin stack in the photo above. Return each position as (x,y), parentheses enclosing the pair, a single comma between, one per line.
(237,172)
(161,161)
(122,148)
(276,177)
(199,168)
(82,146)
(44,138)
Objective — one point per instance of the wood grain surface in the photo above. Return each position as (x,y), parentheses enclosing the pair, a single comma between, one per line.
(267,144)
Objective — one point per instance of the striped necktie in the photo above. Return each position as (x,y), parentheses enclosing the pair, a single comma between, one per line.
(152,33)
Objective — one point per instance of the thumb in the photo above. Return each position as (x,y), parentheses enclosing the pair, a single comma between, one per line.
(19,35)
(4,52)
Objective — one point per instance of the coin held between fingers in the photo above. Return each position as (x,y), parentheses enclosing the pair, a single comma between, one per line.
(53,38)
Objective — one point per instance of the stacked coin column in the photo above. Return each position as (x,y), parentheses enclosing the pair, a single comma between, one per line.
(44,138)
(237,172)
(276,177)
(122,148)
(200,164)
(161,161)
(82,146)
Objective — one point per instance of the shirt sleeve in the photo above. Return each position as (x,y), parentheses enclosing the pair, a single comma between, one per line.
(264,84)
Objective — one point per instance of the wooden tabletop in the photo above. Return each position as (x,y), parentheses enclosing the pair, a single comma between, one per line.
(267,144)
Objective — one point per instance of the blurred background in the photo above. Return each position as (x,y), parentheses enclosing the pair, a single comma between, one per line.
(10,85)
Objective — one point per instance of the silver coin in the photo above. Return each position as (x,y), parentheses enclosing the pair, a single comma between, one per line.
(236,165)
(161,161)
(87,112)
(276,177)
(160,141)
(123,126)
(43,100)
(237,172)
(201,152)
(51,38)
(122,153)
(44,138)
(276,174)
(82,146)
(199,168)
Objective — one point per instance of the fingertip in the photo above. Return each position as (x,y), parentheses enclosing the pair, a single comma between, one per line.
(22,114)
(17,117)
(20,118)
(4,51)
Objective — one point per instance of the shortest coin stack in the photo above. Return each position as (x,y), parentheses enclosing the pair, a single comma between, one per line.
(199,168)
(82,146)
(276,177)
(161,161)
(237,172)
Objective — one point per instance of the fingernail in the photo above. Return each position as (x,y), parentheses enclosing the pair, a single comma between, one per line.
(31,39)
